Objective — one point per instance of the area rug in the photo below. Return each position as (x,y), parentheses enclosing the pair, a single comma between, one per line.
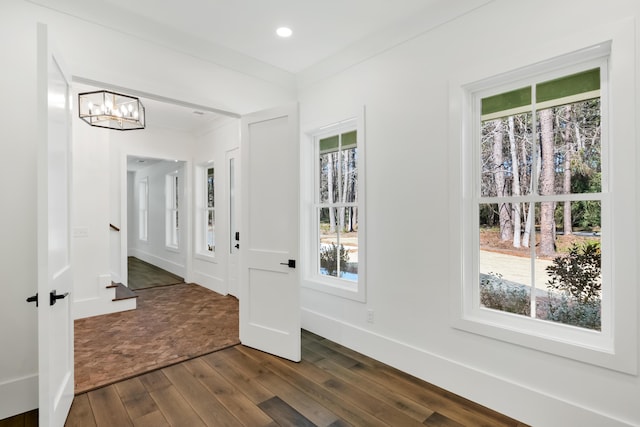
(170,325)
(142,275)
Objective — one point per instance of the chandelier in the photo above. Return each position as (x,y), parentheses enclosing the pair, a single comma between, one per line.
(111,110)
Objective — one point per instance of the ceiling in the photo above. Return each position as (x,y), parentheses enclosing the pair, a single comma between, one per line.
(321,28)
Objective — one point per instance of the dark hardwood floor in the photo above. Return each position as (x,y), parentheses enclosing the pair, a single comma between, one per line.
(240,386)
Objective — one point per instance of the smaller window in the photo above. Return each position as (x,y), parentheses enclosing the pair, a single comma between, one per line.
(143,208)
(205,211)
(210,213)
(172,198)
(334,244)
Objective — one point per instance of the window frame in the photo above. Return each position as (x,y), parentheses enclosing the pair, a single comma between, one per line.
(201,211)
(605,348)
(172,211)
(310,233)
(143,209)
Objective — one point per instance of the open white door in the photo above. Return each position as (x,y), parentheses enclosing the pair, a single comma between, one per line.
(55,279)
(269,279)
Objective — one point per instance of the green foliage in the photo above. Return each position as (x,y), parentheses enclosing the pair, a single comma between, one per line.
(586,213)
(497,294)
(577,274)
(572,312)
(328,259)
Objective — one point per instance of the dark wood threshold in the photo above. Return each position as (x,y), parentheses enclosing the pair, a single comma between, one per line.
(123,292)
(28,419)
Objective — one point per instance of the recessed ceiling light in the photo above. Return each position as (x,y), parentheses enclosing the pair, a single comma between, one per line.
(284,32)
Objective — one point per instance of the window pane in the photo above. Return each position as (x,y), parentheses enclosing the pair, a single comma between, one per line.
(329,164)
(349,174)
(573,277)
(210,189)
(329,241)
(570,148)
(506,156)
(348,248)
(175,192)
(505,270)
(210,227)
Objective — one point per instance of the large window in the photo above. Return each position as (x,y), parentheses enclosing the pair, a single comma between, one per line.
(336,207)
(540,200)
(172,201)
(540,216)
(143,208)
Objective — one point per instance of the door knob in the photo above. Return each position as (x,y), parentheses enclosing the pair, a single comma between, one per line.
(237,246)
(53,297)
(291,263)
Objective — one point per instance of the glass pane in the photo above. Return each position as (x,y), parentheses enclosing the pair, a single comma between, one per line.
(505,270)
(572,276)
(210,189)
(175,192)
(349,174)
(506,156)
(348,247)
(329,164)
(210,227)
(329,242)
(570,153)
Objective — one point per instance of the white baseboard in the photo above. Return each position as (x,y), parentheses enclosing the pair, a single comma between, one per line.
(18,396)
(163,263)
(210,282)
(99,306)
(505,396)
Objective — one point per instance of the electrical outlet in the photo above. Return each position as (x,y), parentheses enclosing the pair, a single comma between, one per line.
(370,315)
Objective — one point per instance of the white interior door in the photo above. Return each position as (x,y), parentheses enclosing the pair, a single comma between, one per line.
(55,280)
(269,280)
(232,159)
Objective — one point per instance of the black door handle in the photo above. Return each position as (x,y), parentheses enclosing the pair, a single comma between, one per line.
(53,297)
(33,299)
(291,263)
(237,246)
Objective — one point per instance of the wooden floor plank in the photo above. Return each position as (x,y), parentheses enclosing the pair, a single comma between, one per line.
(238,375)
(80,414)
(409,407)
(311,409)
(137,401)
(203,401)
(424,395)
(283,414)
(107,407)
(175,408)
(313,390)
(228,395)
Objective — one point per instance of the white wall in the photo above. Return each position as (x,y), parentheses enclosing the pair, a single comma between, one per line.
(406,94)
(122,60)
(212,144)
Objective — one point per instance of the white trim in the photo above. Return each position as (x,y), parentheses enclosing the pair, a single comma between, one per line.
(18,395)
